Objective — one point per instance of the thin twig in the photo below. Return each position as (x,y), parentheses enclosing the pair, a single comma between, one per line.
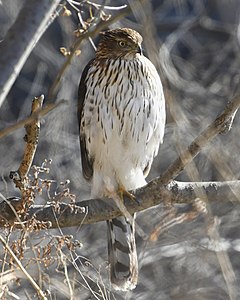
(90,33)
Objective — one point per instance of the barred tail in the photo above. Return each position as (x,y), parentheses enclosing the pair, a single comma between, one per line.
(122,253)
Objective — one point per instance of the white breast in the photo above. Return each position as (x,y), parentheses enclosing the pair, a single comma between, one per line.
(123,120)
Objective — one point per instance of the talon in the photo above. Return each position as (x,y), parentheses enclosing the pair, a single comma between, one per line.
(123,192)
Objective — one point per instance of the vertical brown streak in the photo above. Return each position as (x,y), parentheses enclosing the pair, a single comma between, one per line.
(130,111)
(129,73)
(117,108)
(115,78)
(92,83)
(126,106)
(105,89)
(106,68)
(98,113)
(142,69)
(138,112)
(149,109)
(108,79)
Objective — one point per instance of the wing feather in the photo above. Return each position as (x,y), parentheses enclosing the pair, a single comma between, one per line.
(87,161)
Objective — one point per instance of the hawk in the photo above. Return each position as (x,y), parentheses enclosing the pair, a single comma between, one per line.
(121,115)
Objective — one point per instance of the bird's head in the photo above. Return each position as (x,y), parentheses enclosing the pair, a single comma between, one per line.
(119,43)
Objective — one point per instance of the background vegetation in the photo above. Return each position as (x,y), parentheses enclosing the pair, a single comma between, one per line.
(195,46)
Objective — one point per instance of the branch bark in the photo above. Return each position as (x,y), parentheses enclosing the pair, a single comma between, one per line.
(31,138)
(20,177)
(96,210)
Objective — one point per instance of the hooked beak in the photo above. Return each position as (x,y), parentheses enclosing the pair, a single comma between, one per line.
(139,49)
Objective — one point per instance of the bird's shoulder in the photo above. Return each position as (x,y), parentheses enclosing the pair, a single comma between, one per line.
(82,86)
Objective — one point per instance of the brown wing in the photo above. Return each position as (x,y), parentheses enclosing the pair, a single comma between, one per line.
(87,161)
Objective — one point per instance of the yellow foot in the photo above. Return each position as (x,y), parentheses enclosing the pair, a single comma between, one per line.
(122,192)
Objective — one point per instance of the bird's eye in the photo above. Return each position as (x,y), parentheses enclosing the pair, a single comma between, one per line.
(122,44)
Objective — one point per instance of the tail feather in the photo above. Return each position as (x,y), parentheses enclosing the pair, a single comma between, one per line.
(122,253)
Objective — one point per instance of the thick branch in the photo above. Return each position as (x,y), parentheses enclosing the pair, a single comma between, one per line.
(95,210)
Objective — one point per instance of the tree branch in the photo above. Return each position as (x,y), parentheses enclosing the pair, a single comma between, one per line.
(29,26)
(221,124)
(20,177)
(96,210)
(36,115)
(31,138)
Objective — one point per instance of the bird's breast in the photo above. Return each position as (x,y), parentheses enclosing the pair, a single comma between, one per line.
(123,101)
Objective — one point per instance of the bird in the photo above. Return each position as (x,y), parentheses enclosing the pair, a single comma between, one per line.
(121,113)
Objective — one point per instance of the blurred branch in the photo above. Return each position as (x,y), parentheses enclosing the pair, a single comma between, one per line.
(167,64)
(34,116)
(222,124)
(31,23)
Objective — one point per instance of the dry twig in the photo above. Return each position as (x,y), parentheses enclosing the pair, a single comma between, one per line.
(91,32)
(32,126)
(31,139)
(21,267)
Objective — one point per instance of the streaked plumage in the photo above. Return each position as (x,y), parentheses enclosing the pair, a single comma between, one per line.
(122,119)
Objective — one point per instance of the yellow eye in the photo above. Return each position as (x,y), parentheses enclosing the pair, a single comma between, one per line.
(122,44)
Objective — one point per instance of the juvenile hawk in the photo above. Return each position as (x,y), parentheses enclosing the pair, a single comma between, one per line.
(121,121)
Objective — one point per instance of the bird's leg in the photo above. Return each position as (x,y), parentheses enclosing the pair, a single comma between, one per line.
(123,192)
